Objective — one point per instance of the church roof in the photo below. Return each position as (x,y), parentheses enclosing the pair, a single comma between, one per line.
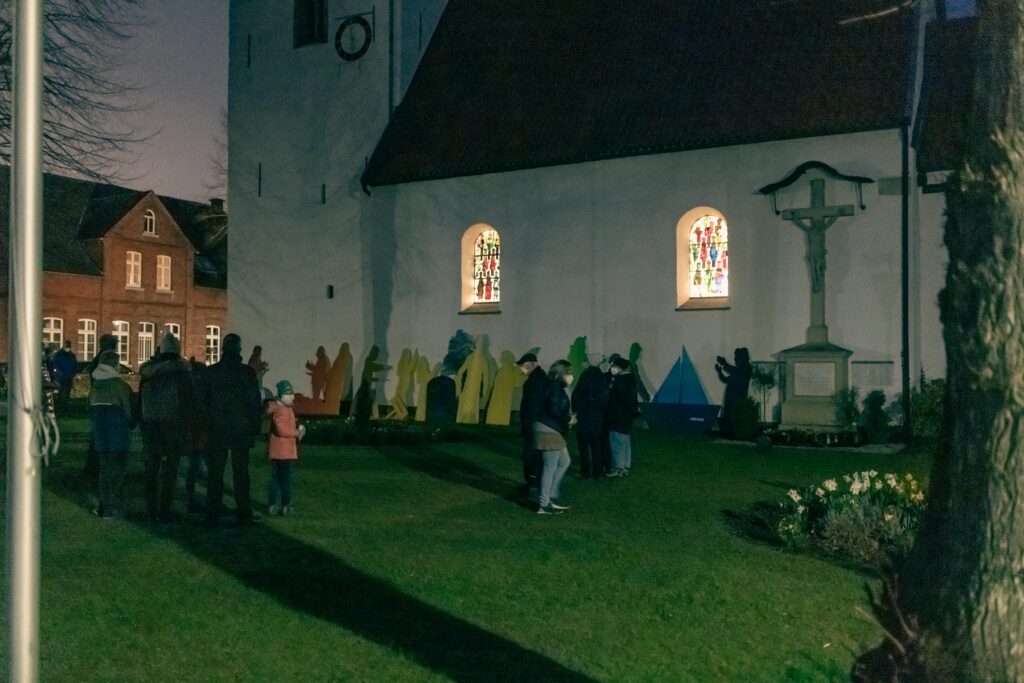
(509,85)
(941,127)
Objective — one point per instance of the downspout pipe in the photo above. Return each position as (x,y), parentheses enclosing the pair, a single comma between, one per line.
(905,277)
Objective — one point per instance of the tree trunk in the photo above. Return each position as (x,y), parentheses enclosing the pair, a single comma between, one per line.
(964,584)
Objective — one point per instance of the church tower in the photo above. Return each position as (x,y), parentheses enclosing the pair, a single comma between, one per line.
(312,83)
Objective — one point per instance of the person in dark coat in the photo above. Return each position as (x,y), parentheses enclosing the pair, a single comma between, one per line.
(65,367)
(737,384)
(169,413)
(197,457)
(91,473)
(550,433)
(589,399)
(529,407)
(233,409)
(623,409)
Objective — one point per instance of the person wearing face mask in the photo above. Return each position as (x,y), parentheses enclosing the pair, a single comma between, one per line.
(534,390)
(549,433)
(623,409)
(282,448)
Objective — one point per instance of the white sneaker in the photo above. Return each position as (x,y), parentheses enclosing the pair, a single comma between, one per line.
(272,510)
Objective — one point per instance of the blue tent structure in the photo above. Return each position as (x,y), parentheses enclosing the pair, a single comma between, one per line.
(681,403)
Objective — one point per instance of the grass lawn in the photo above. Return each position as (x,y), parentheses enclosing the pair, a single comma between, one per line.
(418,564)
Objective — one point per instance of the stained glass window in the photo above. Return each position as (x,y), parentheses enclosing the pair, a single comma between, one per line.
(709,257)
(487,268)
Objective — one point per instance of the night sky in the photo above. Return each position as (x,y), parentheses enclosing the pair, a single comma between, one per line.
(182,56)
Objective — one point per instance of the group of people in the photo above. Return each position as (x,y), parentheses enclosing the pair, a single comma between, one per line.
(601,408)
(187,410)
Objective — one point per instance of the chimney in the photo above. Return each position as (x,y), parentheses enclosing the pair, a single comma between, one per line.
(217,204)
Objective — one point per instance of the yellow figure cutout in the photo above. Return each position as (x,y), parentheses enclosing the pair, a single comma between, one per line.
(339,381)
(475,381)
(423,375)
(399,404)
(499,410)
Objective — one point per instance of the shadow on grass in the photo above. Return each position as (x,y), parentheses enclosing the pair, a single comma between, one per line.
(456,470)
(319,584)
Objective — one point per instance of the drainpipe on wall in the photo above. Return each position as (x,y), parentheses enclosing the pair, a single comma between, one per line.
(905,275)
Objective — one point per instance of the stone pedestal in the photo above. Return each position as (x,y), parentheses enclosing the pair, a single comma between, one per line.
(814,372)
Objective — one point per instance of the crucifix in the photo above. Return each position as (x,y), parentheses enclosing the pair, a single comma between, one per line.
(814,221)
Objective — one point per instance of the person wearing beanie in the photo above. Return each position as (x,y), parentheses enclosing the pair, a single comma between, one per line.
(233,412)
(169,413)
(534,390)
(108,342)
(623,409)
(111,416)
(282,448)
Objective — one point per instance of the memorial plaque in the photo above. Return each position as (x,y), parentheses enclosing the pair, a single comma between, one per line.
(814,379)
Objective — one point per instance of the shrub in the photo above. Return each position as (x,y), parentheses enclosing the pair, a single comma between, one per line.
(874,418)
(866,518)
(845,403)
(343,432)
(927,409)
(746,419)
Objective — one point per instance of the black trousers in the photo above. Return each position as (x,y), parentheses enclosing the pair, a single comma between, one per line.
(218,460)
(533,461)
(165,445)
(591,454)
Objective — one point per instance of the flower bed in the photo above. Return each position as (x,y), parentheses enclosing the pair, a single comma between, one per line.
(866,517)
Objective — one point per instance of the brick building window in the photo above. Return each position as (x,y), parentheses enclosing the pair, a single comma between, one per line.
(146,341)
(86,339)
(133,269)
(212,344)
(121,330)
(149,223)
(173,328)
(163,273)
(53,332)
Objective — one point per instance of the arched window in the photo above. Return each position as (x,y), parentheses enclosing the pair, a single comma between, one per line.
(702,258)
(481,270)
(149,223)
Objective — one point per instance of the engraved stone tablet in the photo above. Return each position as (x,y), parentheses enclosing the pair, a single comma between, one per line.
(814,379)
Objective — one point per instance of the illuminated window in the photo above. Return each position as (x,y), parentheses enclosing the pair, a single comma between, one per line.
(173,329)
(86,339)
(481,270)
(146,341)
(53,332)
(121,330)
(149,223)
(702,254)
(212,344)
(163,273)
(133,269)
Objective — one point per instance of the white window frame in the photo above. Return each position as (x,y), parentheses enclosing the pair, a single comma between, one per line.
(122,330)
(173,328)
(53,331)
(147,341)
(133,270)
(87,329)
(211,349)
(149,223)
(163,273)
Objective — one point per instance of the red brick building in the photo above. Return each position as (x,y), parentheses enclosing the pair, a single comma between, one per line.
(127,262)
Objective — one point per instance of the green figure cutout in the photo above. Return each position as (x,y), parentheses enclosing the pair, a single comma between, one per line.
(578,356)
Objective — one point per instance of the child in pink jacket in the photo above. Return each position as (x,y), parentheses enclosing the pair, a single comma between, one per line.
(282,448)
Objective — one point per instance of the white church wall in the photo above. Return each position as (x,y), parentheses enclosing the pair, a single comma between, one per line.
(934,259)
(589,249)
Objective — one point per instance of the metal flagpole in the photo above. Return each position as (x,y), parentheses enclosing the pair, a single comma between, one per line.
(24,394)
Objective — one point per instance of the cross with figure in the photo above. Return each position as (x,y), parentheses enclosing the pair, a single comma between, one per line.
(814,221)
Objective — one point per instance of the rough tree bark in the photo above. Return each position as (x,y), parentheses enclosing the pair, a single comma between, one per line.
(964,584)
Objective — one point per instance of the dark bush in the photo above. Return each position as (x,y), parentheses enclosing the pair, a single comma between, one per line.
(746,419)
(874,418)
